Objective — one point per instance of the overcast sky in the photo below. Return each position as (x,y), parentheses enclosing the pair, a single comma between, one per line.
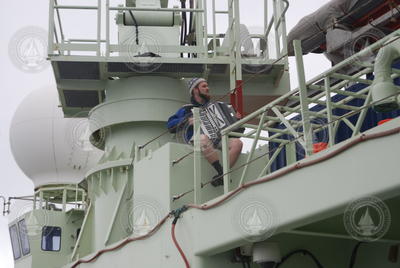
(16,15)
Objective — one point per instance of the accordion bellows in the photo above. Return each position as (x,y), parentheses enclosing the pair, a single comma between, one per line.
(214,117)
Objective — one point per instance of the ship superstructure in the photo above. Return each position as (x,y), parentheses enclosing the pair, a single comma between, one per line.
(148,201)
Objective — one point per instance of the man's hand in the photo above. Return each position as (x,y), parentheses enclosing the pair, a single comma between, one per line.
(238,115)
(190,120)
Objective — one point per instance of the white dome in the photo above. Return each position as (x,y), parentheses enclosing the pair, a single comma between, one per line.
(49,148)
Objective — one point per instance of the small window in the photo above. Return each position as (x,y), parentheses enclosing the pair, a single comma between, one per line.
(15,242)
(51,238)
(23,236)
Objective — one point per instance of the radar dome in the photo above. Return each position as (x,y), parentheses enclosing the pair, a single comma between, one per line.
(49,148)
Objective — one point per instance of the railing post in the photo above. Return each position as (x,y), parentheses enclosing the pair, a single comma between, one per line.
(64,200)
(205,30)
(307,130)
(108,28)
(34,201)
(225,162)
(232,67)
(265,31)
(329,107)
(98,27)
(283,28)
(253,147)
(40,199)
(197,155)
(199,27)
(214,29)
(238,54)
(76,196)
(51,29)
(276,30)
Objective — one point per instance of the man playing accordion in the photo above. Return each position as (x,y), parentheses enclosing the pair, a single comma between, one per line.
(182,122)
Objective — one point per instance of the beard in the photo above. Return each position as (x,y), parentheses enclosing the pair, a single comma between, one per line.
(205,97)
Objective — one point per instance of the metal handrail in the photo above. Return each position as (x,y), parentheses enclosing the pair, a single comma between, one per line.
(267,122)
(59,22)
(278,23)
(67,46)
(332,70)
(76,7)
(158,9)
(271,22)
(53,6)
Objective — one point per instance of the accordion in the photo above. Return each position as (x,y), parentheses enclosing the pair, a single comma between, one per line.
(214,117)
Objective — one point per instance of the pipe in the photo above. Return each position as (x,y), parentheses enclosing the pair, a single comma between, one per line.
(383,87)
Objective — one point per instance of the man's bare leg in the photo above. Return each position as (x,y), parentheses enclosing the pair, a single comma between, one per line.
(235,148)
(210,153)
(208,149)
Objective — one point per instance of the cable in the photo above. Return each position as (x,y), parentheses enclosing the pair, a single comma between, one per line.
(123,243)
(184,25)
(136,27)
(177,244)
(354,254)
(304,252)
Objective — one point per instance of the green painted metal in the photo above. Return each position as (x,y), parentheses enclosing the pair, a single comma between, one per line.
(329,116)
(305,114)
(225,163)
(253,147)
(197,156)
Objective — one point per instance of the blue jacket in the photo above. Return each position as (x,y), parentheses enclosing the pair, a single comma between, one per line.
(176,123)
